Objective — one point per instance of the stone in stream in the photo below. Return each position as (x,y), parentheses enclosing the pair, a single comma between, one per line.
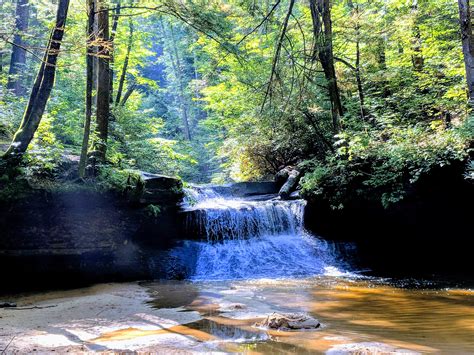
(290,184)
(289,321)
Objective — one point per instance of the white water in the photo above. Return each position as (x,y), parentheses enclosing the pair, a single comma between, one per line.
(250,238)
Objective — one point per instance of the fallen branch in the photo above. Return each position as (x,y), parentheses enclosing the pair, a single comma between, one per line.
(5,350)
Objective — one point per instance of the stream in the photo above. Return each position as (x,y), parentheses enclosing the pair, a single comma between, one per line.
(253,258)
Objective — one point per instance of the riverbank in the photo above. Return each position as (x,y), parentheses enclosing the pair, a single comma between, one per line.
(357,316)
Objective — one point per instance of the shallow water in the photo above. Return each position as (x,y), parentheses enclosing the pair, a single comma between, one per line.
(362,316)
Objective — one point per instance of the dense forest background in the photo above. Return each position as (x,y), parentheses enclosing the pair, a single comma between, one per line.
(359,95)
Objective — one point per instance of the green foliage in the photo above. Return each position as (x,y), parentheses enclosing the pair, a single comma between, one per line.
(153,210)
(208,63)
(111,178)
(44,154)
(384,164)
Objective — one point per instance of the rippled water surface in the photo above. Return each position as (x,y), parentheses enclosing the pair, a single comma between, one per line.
(358,316)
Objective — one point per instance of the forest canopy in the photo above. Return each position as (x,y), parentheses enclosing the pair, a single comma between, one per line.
(359,95)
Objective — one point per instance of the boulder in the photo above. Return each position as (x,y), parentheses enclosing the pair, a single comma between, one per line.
(159,190)
(289,321)
(282,175)
(290,184)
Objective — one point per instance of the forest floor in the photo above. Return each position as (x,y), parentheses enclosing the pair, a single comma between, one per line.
(357,316)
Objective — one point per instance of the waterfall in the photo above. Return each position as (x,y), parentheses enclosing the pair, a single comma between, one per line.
(248,237)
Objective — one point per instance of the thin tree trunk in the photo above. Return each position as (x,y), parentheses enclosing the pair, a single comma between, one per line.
(129,92)
(381,56)
(18,57)
(322,30)
(41,89)
(467,46)
(176,63)
(115,19)
(125,63)
(360,89)
(417,56)
(276,57)
(95,60)
(89,82)
(103,82)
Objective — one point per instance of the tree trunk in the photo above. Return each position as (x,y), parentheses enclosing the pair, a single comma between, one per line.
(90,51)
(129,92)
(322,31)
(41,89)
(360,89)
(18,58)
(103,82)
(115,19)
(95,59)
(467,46)
(176,63)
(417,56)
(125,63)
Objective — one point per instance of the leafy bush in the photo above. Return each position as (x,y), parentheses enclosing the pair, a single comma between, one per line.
(385,163)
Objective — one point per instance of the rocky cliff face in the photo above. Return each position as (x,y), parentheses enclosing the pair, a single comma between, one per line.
(84,235)
(80,235)
(429,232)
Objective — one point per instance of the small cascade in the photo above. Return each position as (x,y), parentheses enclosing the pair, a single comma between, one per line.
(220,218)
(251,237)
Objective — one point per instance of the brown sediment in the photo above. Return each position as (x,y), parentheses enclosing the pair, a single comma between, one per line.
(356,315)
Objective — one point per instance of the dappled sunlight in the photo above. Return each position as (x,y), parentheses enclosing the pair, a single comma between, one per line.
(132,333)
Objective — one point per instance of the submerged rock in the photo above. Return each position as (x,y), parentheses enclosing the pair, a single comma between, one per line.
(289,321)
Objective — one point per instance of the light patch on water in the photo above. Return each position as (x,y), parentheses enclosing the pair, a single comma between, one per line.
(367,348)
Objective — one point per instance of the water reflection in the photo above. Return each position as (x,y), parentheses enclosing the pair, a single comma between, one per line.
(355,314)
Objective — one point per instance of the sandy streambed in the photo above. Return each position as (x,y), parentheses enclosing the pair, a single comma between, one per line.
(179,317)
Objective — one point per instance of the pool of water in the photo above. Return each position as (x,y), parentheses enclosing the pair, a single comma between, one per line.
(357,315)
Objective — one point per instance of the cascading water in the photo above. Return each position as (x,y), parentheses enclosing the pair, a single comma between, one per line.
(257,237)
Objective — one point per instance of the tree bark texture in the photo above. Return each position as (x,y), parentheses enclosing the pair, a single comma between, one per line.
(323,48)
(467,45)
(90,51)
(41,89)
(18,57)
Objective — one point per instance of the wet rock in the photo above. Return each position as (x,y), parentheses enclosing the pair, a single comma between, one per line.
(295,195)
(289,321)
(232,307)
(68,168)
(290,184)
(282,176)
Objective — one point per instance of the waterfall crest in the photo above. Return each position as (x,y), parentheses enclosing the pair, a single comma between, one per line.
(252,237)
